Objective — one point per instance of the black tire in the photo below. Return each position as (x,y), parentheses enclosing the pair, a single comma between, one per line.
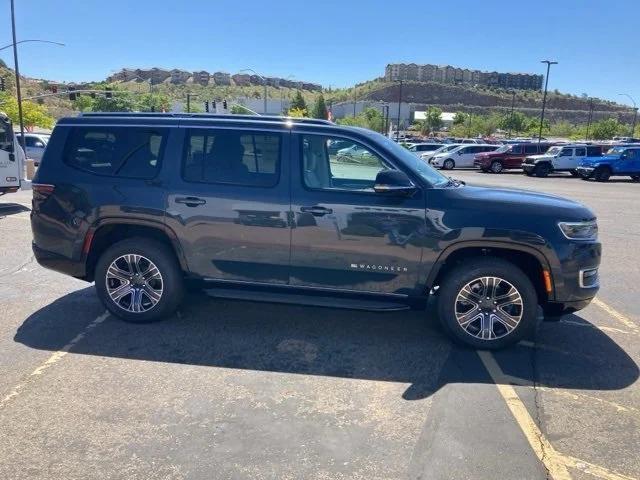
(574,173)
(542,170)
(497,166)
(635,178)
(171,281)
(528,173)
(602,174)
(470,271)
(448,164)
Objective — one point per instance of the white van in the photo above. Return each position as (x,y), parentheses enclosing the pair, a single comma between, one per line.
(10,158)
(461,157)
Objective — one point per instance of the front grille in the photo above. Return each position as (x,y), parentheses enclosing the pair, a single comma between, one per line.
(529,161)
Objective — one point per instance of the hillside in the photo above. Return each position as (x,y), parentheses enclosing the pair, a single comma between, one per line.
(560,106)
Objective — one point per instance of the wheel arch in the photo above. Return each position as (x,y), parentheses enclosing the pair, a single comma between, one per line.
(530,260)
(109,231)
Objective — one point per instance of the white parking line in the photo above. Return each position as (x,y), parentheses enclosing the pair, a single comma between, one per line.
(617,315)
(52,360)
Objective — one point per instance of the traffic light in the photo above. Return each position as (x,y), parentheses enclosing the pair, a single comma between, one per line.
(224,104)
(72,93)
(206,106)
(3,85)
(108,92)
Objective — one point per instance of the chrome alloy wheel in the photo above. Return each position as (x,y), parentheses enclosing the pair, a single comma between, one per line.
(134,283)
(488,308)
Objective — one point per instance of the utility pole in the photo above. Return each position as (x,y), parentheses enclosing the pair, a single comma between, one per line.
(635,112)
(17,72)
(513,101)
(544,97)
(355,99)
(590,118)
(399,104)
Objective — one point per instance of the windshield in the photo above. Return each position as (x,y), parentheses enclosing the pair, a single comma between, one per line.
(428,173)
(553,151)
(616,150)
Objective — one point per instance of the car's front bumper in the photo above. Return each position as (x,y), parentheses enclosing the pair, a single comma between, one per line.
(585,171)
(528,167)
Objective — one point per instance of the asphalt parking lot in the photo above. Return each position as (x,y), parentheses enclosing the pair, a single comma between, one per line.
(231,389)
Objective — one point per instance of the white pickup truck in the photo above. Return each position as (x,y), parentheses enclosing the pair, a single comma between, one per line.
(11,157)
(559,158)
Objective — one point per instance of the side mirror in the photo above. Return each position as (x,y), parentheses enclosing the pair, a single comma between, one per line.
(394,182)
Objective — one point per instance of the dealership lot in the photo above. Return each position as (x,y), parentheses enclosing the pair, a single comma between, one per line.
(230,389)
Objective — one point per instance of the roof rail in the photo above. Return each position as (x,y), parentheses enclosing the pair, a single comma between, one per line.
(253,118)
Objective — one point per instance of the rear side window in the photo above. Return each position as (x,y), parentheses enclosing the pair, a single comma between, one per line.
(232,157)
(529,149)
(593,151)
(581,152)
(115,151)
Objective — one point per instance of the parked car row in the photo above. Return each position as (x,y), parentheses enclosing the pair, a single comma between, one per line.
(589,161)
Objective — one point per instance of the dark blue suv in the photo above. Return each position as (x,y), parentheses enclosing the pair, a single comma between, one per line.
(274,209)
(622,160)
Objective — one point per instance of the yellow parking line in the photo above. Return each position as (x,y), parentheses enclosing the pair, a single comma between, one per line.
(555,462)
(52,360)
(545,452)
(617,315)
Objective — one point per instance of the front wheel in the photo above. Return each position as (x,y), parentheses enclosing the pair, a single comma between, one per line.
(635,178)
(574,173)
(139,280)
(448,164)
(487,303)
(602,174)
(542,170)
(497,167)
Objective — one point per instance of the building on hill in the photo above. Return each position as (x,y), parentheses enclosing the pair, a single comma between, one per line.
(221,78)
(456,75)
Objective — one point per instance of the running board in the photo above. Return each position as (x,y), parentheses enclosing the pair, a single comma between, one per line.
(307,300)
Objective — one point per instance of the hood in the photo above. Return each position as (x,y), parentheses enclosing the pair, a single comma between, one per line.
(592,161)
(523,202)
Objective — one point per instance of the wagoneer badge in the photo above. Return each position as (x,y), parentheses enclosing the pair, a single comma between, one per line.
(384,268)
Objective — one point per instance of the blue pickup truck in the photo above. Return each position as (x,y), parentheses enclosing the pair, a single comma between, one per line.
(621,160)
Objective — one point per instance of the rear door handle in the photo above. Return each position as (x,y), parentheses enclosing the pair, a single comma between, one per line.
(316,211)
(191,201)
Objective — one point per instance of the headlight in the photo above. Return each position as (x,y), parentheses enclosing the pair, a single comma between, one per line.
(579,230)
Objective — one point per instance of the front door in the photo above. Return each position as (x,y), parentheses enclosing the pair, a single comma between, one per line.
(229,203)
(345,236)
(564,160)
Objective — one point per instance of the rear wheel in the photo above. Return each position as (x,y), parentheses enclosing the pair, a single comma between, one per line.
(449,164)
(574,173)
(635,178)
(497,167)
(139,280)
(542,170)
(487,303)
(602,174)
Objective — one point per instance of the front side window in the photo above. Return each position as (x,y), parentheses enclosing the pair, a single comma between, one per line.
(353,167)
(115,151)
(567,152)
(516,149)
(232,157)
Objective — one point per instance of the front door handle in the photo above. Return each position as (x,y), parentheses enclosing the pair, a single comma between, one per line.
(191,201)
(316,211)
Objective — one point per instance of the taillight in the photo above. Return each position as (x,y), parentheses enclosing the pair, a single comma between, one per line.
(42,190)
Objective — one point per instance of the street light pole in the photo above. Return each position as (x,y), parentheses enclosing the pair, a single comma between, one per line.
(513,101)
(635,112)
(17,72)
(544,97)
(399,103)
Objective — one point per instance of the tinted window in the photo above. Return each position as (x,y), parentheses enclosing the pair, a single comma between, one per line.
(6,139)
(30,141)
(233,157)
(352,168)
(530,149)
(593,151)
(516,149)
(566,152)
(115,151)
(581,152)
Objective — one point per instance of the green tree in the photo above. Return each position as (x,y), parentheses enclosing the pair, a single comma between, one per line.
(120,101)
(297,112)
(459,118)
(298,102)
(607,128)
(319,109)
(33,115)
(432,121)
(154,102)
(370,118)
(517,122)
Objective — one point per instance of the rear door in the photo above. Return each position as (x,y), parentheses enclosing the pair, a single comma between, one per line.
(345,236)
(229,202)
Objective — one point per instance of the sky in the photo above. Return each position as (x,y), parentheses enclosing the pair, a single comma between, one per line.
(335,43)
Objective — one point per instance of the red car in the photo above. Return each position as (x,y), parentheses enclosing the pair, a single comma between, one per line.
(508,156)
